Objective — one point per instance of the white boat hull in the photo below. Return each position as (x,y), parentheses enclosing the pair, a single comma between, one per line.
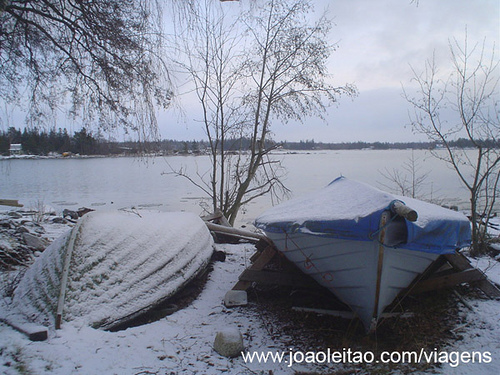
(120,265)
(363,244)
(350,269)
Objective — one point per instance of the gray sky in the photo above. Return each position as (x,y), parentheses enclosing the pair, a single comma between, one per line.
(378,42)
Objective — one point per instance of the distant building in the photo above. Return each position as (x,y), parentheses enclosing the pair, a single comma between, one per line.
(15,149)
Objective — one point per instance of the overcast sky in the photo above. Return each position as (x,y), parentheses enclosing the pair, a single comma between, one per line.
(378,42)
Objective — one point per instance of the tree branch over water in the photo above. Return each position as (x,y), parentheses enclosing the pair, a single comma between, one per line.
(101,59)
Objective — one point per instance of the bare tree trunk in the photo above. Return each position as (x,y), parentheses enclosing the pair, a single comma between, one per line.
(281,74)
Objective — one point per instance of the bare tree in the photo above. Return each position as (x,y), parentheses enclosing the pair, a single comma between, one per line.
(408,181)
(210,52)
(104,54)
(267,65)
(470,95)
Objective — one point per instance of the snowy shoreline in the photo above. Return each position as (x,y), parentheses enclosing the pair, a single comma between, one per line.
(181,343)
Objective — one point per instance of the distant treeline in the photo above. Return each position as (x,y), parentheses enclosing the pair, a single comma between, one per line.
(312,145)
(39,142)
(83,142)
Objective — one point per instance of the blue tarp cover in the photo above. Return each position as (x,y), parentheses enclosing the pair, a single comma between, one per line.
(351,210)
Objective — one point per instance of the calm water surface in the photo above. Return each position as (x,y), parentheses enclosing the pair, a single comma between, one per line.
(106,183)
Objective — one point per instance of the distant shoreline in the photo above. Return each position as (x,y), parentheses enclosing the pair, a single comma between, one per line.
(278,151)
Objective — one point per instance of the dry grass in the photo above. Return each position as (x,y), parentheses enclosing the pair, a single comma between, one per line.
(436,314)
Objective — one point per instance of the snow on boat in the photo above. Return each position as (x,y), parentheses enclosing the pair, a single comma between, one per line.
(349,239)
(114,266)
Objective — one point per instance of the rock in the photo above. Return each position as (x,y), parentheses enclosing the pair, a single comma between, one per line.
(34,242)
(83,211)
(59,220)
(5,223)
(7,242)
(21,229)
(33,227)
(72,214)
(15,215)
(229,342)
(218,256)
(235,298)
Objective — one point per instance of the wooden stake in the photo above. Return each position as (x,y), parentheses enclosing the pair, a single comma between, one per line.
(65,273)
(383,221)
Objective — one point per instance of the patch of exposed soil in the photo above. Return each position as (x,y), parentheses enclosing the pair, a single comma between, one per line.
(435,315)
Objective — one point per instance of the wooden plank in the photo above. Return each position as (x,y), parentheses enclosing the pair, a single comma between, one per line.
(260,259)
(458,261)
(242,285)
(217,228)
(211,217)
(349,314)
(33,331)
(218,217)
(65,273)
(382,225)
(448,280)
(265,257)
(434,267)
(10,202)
(462,299)
(260,262)
(255,256)
(337,313)
(488,288)
(223,221)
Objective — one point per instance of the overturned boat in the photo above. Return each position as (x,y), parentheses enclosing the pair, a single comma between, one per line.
(112,267)
(363,244)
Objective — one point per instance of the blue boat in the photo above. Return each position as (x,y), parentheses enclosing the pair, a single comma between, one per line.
(363,244)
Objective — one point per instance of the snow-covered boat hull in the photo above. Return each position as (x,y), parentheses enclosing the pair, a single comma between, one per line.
(118,266)
(347,237)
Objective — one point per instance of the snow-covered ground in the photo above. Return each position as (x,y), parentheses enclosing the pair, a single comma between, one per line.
(181,343)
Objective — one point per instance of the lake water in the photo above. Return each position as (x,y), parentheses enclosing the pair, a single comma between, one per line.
(106,183)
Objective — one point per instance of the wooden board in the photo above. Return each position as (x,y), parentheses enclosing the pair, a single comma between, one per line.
(459,271)
(10,202)
(33,331)
(258,265)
